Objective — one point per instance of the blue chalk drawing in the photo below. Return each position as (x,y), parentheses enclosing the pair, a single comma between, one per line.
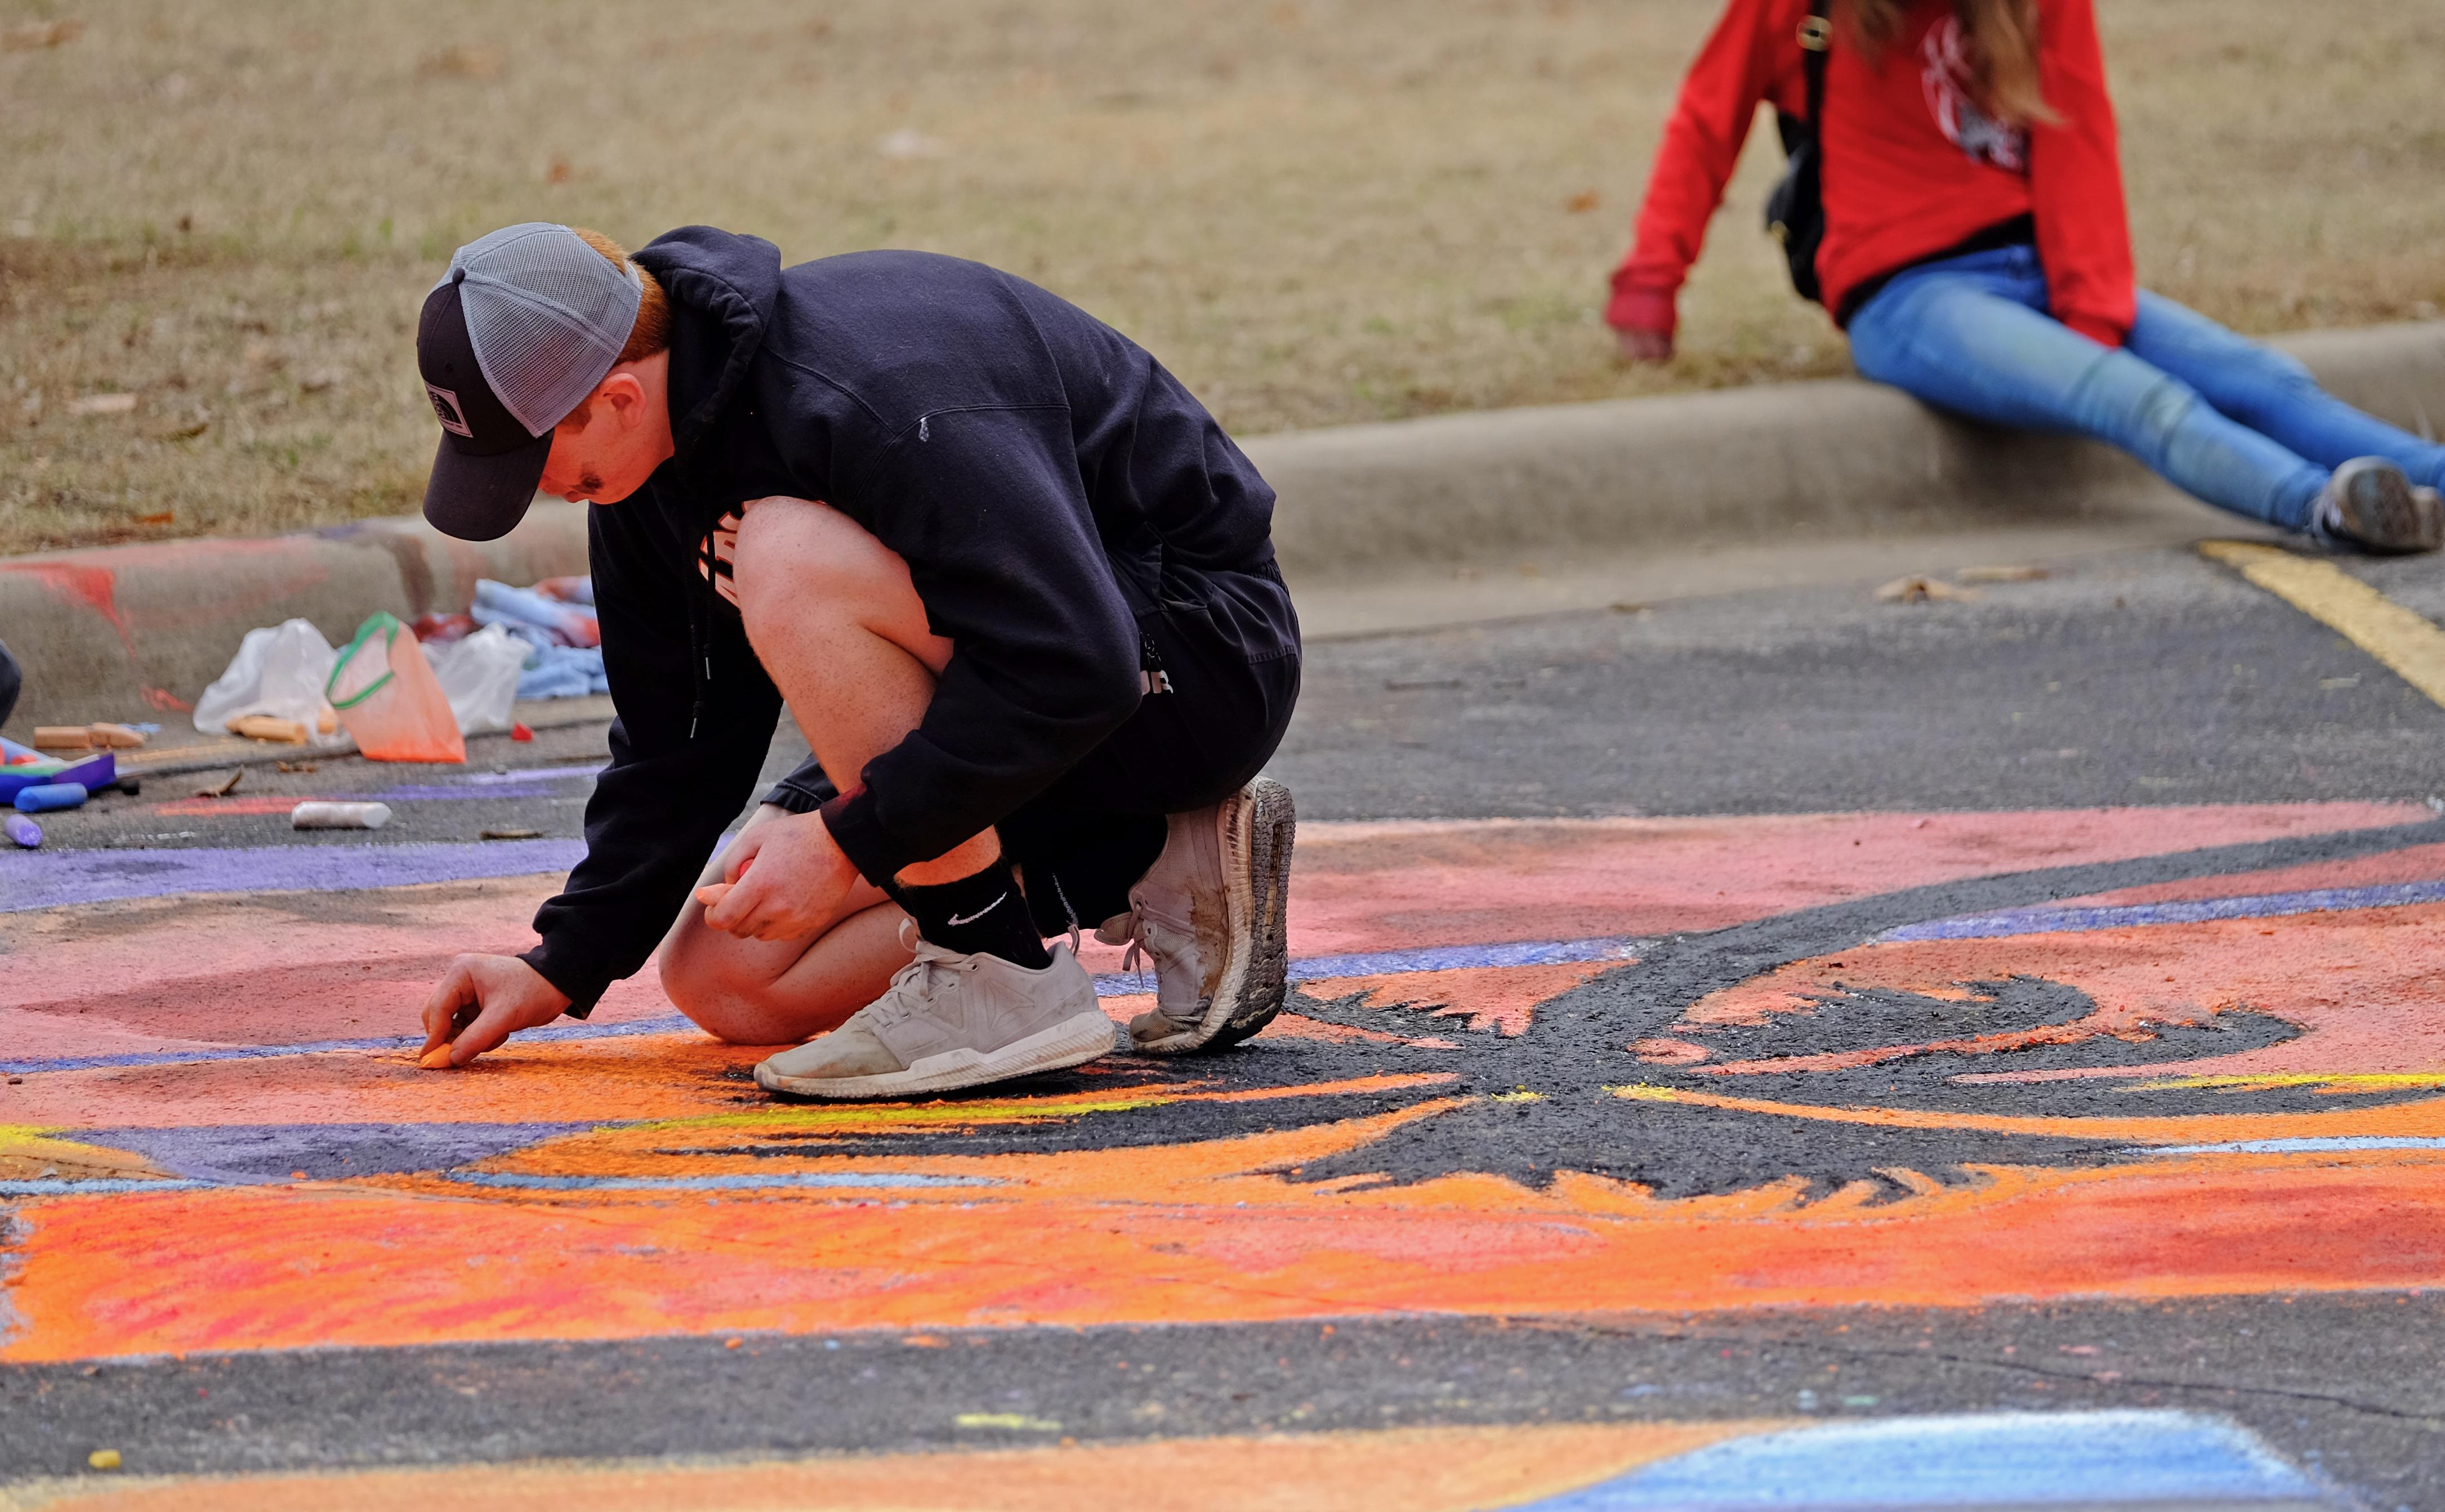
(2310,1144)
(2058,919)
(2029,1459)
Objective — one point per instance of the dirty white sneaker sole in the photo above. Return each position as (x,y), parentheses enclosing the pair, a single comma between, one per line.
(1257,824)
(1074,1042)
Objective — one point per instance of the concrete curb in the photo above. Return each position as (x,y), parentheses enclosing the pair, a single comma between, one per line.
(113,632)
(1836,459)
(116,632)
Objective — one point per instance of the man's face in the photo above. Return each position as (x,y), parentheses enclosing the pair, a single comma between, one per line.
(607,453)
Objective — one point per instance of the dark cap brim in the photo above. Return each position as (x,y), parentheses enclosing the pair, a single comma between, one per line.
(483,498)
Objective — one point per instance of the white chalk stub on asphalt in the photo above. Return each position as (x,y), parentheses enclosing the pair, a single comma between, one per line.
(320,814)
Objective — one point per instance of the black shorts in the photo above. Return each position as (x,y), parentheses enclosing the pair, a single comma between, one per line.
(1082,841)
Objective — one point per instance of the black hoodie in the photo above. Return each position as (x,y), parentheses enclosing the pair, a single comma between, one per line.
(1047,481)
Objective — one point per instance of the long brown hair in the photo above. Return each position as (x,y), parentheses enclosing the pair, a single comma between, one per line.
(2003,36)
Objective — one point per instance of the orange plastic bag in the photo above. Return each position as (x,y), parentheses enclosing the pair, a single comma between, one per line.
(390,701)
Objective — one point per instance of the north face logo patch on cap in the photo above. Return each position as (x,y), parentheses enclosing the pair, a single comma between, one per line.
(445,407)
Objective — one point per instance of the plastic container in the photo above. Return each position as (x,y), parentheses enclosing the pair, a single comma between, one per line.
(93,774)
(50,795)
(324,813)
(393,706)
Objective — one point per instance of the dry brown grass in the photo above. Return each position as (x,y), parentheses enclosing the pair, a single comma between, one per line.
(1315,211)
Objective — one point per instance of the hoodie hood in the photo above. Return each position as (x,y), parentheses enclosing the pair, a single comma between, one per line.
(730,283)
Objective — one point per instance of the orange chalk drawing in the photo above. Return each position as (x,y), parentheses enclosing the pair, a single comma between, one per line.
(1930,1110)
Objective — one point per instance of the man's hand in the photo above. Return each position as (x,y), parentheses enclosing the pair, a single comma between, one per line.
(1645,346)
(800,879)
(482,1001)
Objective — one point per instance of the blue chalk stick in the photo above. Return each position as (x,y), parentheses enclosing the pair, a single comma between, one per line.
(23,830)
(50,795)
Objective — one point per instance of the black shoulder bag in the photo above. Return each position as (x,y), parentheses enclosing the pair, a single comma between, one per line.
(1795,212)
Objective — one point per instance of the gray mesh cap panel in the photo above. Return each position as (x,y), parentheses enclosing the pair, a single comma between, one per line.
(546,315)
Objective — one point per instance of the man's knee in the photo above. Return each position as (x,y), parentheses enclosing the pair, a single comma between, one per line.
(705,986)
(797,554)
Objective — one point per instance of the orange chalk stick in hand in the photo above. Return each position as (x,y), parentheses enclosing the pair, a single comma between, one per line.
(436,1058)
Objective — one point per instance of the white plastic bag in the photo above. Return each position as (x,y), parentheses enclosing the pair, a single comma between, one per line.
(278,670)
(480,675)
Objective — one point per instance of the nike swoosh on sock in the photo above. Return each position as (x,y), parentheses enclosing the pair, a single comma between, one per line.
(998,903)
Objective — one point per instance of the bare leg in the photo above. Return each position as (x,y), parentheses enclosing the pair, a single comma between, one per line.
(842,632)
(781,992)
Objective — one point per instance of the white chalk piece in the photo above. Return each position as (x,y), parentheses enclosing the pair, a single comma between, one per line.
(318,814)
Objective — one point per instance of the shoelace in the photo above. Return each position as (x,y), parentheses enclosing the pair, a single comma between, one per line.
(1138,952)
(914,982)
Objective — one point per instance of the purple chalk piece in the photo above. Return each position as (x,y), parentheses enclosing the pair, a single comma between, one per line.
(23,830)
(50,795)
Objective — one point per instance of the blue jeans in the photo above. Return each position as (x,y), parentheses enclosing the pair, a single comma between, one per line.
(2242,426)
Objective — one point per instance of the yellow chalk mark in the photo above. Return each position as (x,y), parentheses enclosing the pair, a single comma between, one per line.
(1010,1420)
(2406,643)
(29,1152)
(2424,1117)
(864,1119)
(2276,1080)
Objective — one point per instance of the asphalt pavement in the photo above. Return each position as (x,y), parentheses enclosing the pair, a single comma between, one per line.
(2265,743)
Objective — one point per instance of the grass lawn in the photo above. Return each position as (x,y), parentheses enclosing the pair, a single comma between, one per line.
(1315,210)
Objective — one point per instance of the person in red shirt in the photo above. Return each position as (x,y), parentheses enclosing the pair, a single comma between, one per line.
(1976,247)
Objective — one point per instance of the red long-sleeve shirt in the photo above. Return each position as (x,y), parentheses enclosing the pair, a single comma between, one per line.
(1912,167)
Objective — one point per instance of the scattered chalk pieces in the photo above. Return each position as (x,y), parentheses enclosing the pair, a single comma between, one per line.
(23,831)
(513,835)
(62,737)
(319,814)
(45,797)
(103,1459)
(267,727)
(518,731)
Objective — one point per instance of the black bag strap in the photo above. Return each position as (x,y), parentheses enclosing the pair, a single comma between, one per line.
(1816,41)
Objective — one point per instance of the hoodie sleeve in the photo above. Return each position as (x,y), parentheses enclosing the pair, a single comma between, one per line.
(987,508)
(1746,60)
(2076,180)
(660,807)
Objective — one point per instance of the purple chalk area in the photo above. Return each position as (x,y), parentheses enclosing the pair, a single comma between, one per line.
(46,879)
(2056,920)
(250,1153)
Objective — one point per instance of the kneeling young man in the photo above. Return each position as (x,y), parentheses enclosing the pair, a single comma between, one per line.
(1014,584)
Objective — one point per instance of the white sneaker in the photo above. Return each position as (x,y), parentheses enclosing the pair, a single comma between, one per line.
(1212,914)
(951,1020)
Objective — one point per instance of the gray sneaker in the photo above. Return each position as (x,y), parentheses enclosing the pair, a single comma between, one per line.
(1212,915)
(951,1020)
(2370,504)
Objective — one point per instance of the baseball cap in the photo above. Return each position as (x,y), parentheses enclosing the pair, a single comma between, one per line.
(523,326)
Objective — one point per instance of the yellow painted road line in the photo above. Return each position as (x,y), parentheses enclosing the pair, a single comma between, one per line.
(2407,643)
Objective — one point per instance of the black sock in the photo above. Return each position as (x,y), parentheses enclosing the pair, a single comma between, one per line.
(979,914)
(1085,863)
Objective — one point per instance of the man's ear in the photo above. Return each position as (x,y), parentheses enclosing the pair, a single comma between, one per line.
(625,396)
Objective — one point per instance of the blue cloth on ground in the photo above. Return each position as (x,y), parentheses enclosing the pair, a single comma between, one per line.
(563,672)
